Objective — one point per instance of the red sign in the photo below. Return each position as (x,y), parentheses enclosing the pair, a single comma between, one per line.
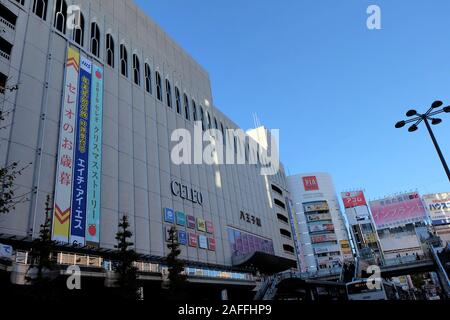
(353,199)
(193,240)
(209,227)
(310,183)
(212,244)
(395,210)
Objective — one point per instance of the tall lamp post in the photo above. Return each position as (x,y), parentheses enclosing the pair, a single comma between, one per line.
(427,117)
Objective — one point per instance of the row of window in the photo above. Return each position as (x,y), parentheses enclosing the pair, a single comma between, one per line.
(182,104)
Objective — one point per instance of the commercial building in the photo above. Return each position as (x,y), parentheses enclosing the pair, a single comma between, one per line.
(362,227)
(438,209)
(322,233)
(96,93)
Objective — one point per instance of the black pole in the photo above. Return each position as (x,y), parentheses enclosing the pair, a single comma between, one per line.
(425,119)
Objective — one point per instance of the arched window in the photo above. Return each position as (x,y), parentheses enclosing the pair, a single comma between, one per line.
(216,126)
(223,133)
(78,31)
(209,121)
(202,117)
(178,100)
(123,61)
(194,111)
(95,39)
(136,70)
(40,8)
(60,16)
(186,106)
(110,50)
(168,94)
(148,79)
(158,86)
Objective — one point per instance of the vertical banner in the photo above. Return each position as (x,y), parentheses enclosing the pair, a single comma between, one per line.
(79,193)
(66,147)
(95,158)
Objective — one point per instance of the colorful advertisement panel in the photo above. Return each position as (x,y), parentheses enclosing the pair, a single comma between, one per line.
(182,237)
(181,218)
(323,238)
(201,224)
(397,210)
(438,206)
(321,227)
(209,227)
(193,240)
(64,167)
(211,244)
(202,242)
(353,199)
(95,158)
(310,183)
(169,215)
(79,192)
(316,206)
(191,222)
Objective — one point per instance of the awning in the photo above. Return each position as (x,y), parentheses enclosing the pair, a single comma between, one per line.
(264,262)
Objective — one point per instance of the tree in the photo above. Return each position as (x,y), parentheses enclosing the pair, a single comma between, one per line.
(41,257)
(126,256)
(177,280)
(8,174)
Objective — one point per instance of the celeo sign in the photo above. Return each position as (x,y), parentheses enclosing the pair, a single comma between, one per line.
(186,193)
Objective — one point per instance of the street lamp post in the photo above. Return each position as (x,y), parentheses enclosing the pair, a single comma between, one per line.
(427,117)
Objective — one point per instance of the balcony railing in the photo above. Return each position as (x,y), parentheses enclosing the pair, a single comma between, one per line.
(7,24)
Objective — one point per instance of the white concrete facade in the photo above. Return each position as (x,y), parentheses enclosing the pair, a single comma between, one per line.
(137,171)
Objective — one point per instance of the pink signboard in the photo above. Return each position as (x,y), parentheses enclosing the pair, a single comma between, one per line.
(397,210)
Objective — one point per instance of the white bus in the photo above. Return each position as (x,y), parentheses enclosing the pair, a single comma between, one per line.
(358,290)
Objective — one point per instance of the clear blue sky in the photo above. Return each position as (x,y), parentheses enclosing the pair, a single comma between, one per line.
(334,88)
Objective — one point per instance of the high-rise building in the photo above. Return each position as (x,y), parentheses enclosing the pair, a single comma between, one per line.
(362,227)
(322,233)
(94,99)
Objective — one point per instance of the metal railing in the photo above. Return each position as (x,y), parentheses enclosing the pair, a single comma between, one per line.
(8,24)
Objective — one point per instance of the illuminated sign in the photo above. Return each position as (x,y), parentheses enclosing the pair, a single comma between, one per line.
(202,242)
(181,218)
(169,216)
(191,222)
(209,227)
(201,225)
(182,237)
(193,240)
(310,183)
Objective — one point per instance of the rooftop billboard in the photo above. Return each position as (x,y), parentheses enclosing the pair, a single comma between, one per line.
(438,206)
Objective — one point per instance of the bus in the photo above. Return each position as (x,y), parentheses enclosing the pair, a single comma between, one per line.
(358,290)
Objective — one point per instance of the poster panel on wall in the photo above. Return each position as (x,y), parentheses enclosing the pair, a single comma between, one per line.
(66,146)
(93,210)
(81,161)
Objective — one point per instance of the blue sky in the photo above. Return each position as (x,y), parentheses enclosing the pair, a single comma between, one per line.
(334,88)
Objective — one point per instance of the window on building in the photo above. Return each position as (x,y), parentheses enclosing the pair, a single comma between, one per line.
(95,39)
(3,79)
(178,100)
(148,79)
(282,218)
(276,189)
(186,106)
(168,94)
(288,248)
(123,61)
(21,2)
(202,117)
(136,70)
(60,16)
(285,233)
(158,86)
(194,111)
(5,48)
(9,17)
(40,8)
(78,31)
(110,50)
(209,121)
(279,203)
(216,126)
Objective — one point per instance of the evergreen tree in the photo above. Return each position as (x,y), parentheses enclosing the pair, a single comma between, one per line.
(177,280)
(126,256)
(40,254)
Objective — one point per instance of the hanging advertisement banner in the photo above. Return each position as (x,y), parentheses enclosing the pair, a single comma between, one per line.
(79,192)
(95,158)
(66,146)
